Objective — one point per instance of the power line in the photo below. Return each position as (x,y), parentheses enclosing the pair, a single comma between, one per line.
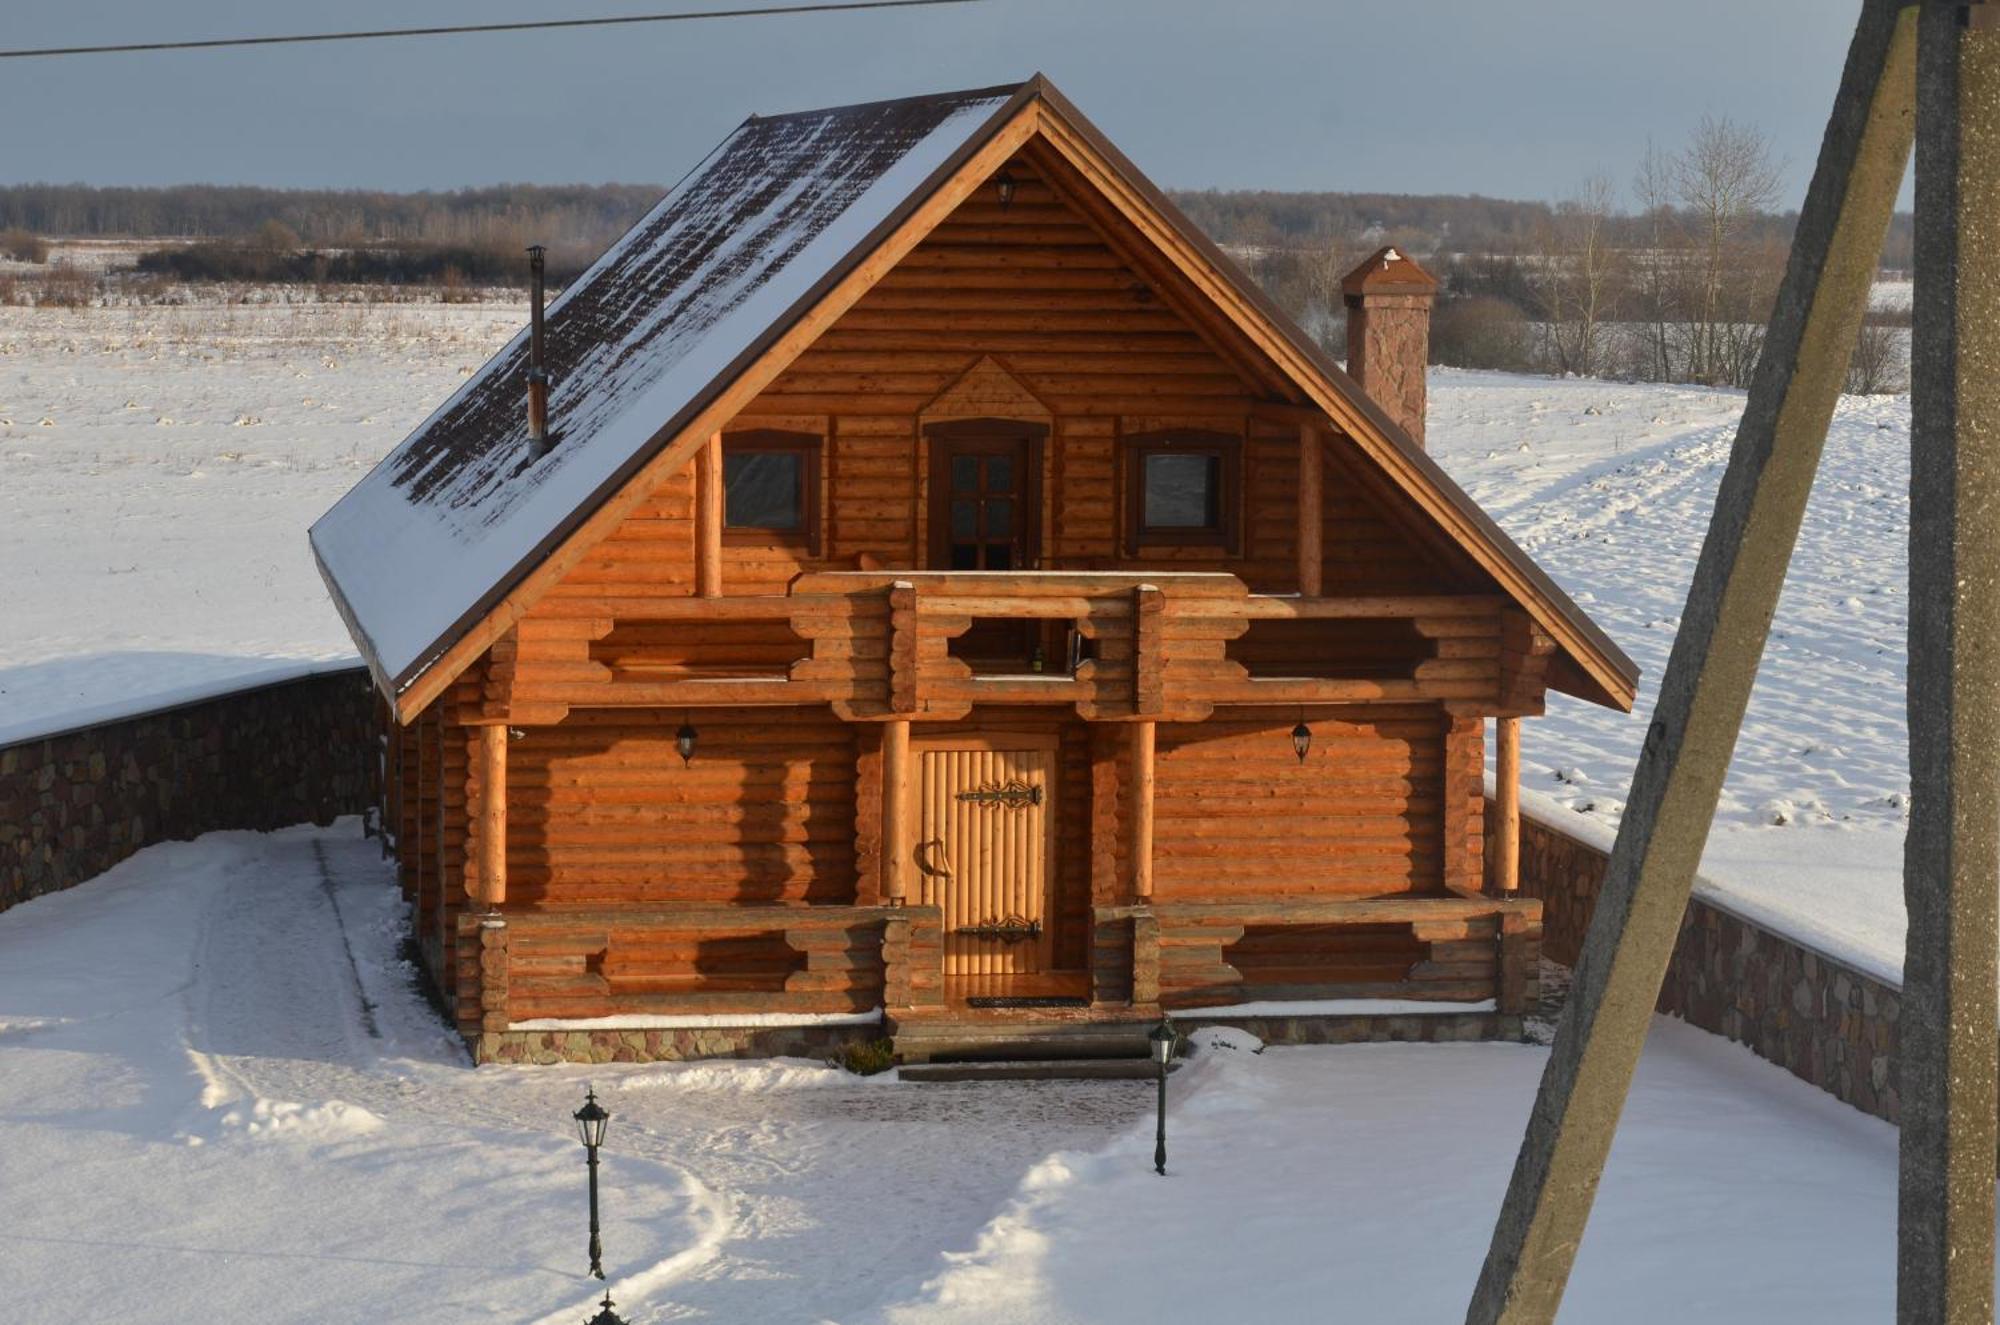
(833,6)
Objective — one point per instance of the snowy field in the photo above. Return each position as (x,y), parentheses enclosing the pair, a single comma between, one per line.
(159,467)
(222,1101)
(1610,487)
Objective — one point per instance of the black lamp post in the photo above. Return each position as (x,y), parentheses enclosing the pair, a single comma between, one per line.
(1162,1042)
(591,1121)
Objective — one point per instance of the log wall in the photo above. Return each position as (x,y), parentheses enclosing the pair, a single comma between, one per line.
(602,812)
(1239,818)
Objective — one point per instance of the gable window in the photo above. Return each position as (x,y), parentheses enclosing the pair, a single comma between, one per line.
(770,488)
(1182,489)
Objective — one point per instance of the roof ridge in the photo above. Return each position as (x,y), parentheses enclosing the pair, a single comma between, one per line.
(963,94)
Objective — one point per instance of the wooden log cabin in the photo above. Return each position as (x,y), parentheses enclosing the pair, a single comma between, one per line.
(913,580)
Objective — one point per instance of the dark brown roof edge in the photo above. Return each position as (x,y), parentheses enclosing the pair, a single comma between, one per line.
(1020,95)
(1347,386)
(920,99)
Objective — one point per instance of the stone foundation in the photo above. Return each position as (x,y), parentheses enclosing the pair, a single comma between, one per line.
(1424,1028)
(670,1046)
(75,803)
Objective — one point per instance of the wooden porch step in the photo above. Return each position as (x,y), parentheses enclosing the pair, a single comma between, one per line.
(1044,1069)
(978,1041)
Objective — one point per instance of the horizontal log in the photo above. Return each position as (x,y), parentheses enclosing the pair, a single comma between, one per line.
(1289,608)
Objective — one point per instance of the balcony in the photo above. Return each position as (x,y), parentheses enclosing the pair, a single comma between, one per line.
(933,644)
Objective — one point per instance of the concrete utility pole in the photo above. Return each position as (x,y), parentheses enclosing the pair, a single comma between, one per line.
(1951,862)
(1814,325)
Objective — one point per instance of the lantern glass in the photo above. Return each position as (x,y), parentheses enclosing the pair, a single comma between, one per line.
(684,740)
(1302,740)
(591,1121)
(1162,1042)
(1004,182)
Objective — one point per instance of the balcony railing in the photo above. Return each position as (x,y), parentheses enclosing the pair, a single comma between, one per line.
(879,644)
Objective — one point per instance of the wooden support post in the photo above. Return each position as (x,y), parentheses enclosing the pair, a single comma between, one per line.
(708,516)
(1149,663)
(1519,952)
(1312,509)
(1506,805)
(1143,734)
(492,867)
(1464,798)
(1815,322)
(1951,858)
(903,628)
(1145,958)
(897,847)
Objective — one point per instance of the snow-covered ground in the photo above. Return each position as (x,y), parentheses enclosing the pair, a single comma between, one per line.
(221,1099)
(159,467)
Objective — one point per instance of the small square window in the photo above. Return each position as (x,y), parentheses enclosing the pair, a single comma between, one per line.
(1181,489)
(770,488)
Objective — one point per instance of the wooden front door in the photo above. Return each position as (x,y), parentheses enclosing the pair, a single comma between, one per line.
(986,832)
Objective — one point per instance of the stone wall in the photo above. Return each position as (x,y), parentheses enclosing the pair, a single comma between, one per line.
(1817,1017)
(76,803)
(670,1046)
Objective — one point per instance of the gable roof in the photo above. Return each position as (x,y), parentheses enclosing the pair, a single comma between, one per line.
(783,214)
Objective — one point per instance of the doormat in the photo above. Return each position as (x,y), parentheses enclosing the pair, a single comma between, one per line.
(1040,1001)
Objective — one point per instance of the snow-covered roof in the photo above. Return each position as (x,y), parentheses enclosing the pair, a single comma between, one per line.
(663,320)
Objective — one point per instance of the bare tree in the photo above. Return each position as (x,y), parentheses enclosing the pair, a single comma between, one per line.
(1723,180)
(1575,276)
(1657,266)
(1878,366)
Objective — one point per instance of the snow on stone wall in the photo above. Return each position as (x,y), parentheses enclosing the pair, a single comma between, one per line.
(75,803)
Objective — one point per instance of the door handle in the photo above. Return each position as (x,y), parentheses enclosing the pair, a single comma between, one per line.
(923,863)
(931,871)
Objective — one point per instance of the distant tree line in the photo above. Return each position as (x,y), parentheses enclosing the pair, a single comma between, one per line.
(1675,287)
(585,214)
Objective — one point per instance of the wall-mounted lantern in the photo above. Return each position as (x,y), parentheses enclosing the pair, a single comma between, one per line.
(684,740)
(1302,739)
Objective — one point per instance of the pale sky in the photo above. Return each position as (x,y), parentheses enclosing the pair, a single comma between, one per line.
(1517,100)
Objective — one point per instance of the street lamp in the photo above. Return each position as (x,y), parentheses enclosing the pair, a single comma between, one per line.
(606,1316)
(591,1121)
(1162,1042)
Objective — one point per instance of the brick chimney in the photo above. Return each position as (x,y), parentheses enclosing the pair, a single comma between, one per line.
(1388,301)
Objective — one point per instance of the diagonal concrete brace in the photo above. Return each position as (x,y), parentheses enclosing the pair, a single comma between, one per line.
(1762,500)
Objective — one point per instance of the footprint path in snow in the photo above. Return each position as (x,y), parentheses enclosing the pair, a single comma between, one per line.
(773,1177)
(1621,527)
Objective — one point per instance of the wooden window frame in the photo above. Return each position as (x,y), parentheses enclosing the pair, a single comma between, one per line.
(1226,447)
(809,446)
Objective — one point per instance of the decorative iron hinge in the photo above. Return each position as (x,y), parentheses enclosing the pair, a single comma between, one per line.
(1013,793)
(1011,930)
